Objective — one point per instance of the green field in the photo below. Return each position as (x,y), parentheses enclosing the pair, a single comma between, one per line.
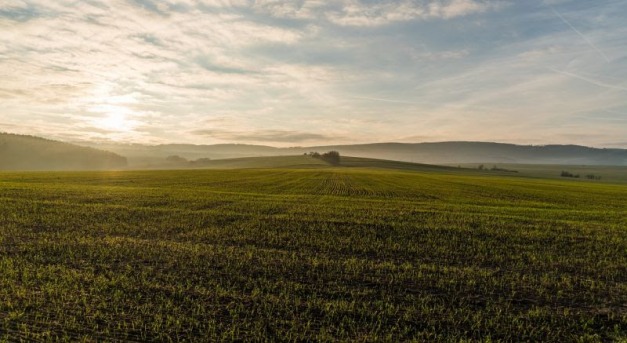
(612,174)
(329,254)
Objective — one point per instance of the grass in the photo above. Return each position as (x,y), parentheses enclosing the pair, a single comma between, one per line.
(332,254)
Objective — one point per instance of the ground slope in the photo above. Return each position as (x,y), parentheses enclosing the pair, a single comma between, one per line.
(304,161)
(19,152)
(299,161)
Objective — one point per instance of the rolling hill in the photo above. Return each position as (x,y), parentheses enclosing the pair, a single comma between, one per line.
(308,162)
(611,174)
(486,152)
(265,162)
(430,153)
(20,152)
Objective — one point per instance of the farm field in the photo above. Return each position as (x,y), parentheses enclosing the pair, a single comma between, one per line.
(293,254)
(611,174)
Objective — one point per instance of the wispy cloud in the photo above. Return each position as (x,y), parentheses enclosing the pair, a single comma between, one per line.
(312,71)
(386,100)
(355,13)
(273,136)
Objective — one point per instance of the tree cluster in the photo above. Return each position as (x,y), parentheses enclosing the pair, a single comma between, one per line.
(331,157)
(568,174)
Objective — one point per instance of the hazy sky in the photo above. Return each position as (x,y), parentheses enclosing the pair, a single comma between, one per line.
(308,72)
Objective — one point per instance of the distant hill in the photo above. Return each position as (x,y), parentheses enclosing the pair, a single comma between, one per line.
(431,153)
(485,152)
(19,152)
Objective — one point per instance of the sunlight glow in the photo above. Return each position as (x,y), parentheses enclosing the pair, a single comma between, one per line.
(117,118)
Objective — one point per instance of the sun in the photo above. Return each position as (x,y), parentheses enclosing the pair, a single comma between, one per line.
(115,118)
(115,122)
(112,112)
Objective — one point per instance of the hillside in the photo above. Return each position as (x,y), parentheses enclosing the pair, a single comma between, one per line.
(430,153)
(20,152)
(361,162)
(485,152)
(605,174)
(147,156)
(307,162)
(298,161)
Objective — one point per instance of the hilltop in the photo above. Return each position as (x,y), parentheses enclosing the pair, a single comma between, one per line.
(21,152)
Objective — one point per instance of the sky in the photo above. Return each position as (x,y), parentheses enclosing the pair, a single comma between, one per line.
(311,72)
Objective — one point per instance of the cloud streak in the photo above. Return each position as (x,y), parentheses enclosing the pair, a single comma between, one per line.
(590,80)
(589,42)
(274,136)
(384,100)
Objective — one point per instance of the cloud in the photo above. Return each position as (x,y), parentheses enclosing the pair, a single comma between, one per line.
(458,8)
(17,10)
(620,145)
(305,9)
(280,136)
(387,100)
(13,4)
(356,13)
(270,70)
(351,12)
